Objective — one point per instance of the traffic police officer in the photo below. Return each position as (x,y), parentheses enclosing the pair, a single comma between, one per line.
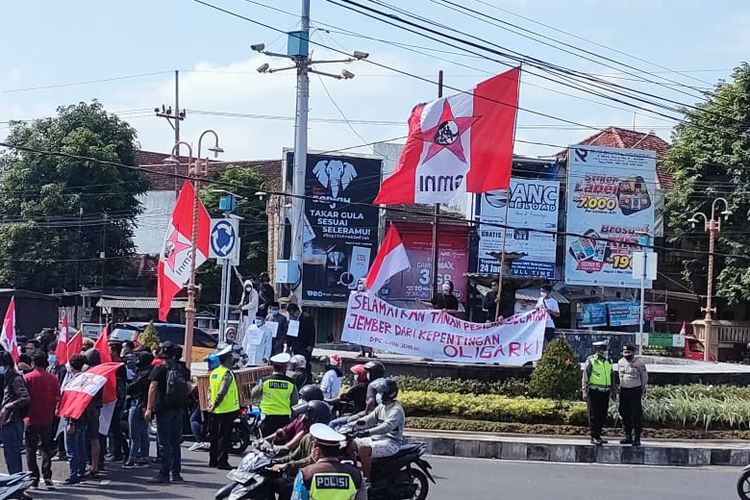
(277,395)
(328,478)
(597,389)
(224,405)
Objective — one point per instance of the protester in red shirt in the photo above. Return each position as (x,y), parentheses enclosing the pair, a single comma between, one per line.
(44,390)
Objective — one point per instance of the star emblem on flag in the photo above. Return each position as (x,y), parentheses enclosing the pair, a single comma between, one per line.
(447,133)
(173,247)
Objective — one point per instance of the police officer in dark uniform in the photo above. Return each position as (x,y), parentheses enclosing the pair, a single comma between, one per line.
(328,478)
(277,395)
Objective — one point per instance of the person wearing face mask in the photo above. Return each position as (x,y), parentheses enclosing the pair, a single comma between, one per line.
(546,302)
(257,343)
(304,342)
(445,300)
(597,389)
(266,294)
(632,380)
(248,304)
(275,315)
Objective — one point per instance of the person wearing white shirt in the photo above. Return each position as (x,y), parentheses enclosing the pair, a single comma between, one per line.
(553,311)
(257,343)
(331,382)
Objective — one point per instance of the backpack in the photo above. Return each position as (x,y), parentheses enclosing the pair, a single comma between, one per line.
(177,390)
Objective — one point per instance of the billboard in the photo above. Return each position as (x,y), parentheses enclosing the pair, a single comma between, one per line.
(610,202)
(341,225)
(416,283)
(533,206)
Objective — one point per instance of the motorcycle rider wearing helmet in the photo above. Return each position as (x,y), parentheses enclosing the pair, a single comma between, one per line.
(224,405)
(297,371)
(314,412)
(292,434)
(382,429)
(277,395)
(375,370)
(353,400)
(328,478)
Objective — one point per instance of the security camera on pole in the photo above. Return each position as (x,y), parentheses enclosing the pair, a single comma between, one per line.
(297,51)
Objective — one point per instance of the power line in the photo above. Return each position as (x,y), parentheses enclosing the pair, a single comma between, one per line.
(85,82)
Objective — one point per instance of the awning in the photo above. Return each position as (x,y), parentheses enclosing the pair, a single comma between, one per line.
(119,302)
(532,294)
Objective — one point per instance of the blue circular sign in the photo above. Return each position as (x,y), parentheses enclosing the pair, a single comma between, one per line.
(223,239)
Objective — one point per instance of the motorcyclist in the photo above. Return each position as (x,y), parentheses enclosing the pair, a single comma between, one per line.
(380,433)
(353,400)
(375,370)
(297,371)
(291,434)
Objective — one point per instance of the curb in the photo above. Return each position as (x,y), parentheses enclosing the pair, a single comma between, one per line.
(497,448)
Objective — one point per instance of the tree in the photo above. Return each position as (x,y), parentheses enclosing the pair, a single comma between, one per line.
(58,213)
(149,337)
(710,157)
(558,374)
(244,181)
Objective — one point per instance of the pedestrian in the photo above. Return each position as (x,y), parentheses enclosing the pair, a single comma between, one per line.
(446,300)
(331,382)
(15,402)
(257,343)
(490,301)
(118,445)
(304,342)
(266,295)
(168,395)
(597,389)
(223,406)
(546,302)
(44,394)
(632,380)
(275,315)
(328,478)
(138,392)
(277,395)
(76,432)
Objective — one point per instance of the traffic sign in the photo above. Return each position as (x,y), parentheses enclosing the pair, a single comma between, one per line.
(224,239)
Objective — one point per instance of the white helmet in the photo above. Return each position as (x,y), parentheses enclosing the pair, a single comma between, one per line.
(298,362)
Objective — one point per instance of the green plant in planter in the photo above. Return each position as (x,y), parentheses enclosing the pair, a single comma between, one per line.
(149,337)
(558,374)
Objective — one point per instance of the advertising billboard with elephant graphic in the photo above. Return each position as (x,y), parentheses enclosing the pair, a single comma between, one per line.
(341,225)
(610,207)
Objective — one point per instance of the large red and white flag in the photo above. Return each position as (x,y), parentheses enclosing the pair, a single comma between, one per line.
(61,350)
(175,261)
(461,139)
(8,334)
(391,259)
(102,345)
(75,344)
(80,389)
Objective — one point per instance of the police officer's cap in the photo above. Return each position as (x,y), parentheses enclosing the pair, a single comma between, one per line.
(600,343)
(281,359)
(325,436)
(223,349)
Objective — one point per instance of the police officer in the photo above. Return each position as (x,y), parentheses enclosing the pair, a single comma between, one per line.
(224,405)
(632,381)
(597,389)
(277,395)
(328,478)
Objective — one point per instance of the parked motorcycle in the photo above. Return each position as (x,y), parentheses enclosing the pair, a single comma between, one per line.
(743,484)
(245,429)
(14,487)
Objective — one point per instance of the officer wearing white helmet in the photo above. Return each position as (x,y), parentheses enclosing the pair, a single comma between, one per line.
(596,388)
(328,478)
(277,395)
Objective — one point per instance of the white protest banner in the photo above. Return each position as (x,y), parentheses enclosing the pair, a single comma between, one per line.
(437,335)
(273,326)
(293,328)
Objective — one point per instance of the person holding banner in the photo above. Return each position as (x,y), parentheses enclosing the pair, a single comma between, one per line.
(597,389)
(445,300)
(546,302)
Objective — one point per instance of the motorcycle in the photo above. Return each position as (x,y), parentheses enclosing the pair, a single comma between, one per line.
(245,429)
(252,479)
(743,484)
(14,487)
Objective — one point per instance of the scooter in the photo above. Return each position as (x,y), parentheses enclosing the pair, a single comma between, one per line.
(252,479)
(743,484)
(245,429)
(14,486)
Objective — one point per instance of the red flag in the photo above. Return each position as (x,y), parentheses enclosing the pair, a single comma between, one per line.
(61,351)
(80,389)
(75,344)
(465,138)
(173,271)
(8,335)
(391,259)
(102,345)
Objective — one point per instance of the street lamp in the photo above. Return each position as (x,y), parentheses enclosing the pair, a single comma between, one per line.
(713,227)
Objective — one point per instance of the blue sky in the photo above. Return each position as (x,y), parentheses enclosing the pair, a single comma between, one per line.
(51,43)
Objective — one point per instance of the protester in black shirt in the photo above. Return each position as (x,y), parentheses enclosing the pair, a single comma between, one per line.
(304,342)
(445,300)
(138,394)
(266,295)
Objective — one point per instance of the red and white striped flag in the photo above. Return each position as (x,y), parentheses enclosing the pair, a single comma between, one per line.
(460,139)
(173,271)
(81,388)
(61,350)
(102,345)
(75,344)
(8,335)
(391,259)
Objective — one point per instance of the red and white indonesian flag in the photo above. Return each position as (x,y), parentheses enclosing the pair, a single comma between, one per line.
(460,139)
(61,350)
(8,335)
(391,259)
(174,263)
(80,389)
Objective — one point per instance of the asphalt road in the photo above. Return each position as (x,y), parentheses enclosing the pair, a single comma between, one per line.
(457,479)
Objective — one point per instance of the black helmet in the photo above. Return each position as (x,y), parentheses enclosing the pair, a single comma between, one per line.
(376,369)
(311,392)
(318,412)
(388,388)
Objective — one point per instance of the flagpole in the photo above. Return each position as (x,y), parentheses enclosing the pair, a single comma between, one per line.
(435,214)
(502,257)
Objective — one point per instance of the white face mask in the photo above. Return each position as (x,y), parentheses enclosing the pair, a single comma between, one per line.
(379,398)
(446,289)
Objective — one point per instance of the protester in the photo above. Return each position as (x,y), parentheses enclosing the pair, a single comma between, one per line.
(632,381)
(138,392)
(331,382)
(44,394)
(224,406)
(167,397)
(76,432)
(546,302)
(257,343)
(240,356)
(15,400)
(266,295)
(32,347)
(277,395)
(97,441)
(304,342)
(490,301)
(248,305)
(597,389)
(118,445)
(446,300)
(275,315)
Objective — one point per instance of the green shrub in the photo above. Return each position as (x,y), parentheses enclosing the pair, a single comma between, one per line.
(510,387)
(558,374)
(149,337)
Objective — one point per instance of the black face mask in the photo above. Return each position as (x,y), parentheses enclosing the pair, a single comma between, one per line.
(628,356)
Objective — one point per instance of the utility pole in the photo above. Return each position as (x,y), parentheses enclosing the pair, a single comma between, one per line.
(174,120)
(713,227)
(435,216)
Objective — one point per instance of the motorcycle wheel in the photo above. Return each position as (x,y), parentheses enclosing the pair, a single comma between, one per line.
(240,439)
(743,486)
(420,484)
